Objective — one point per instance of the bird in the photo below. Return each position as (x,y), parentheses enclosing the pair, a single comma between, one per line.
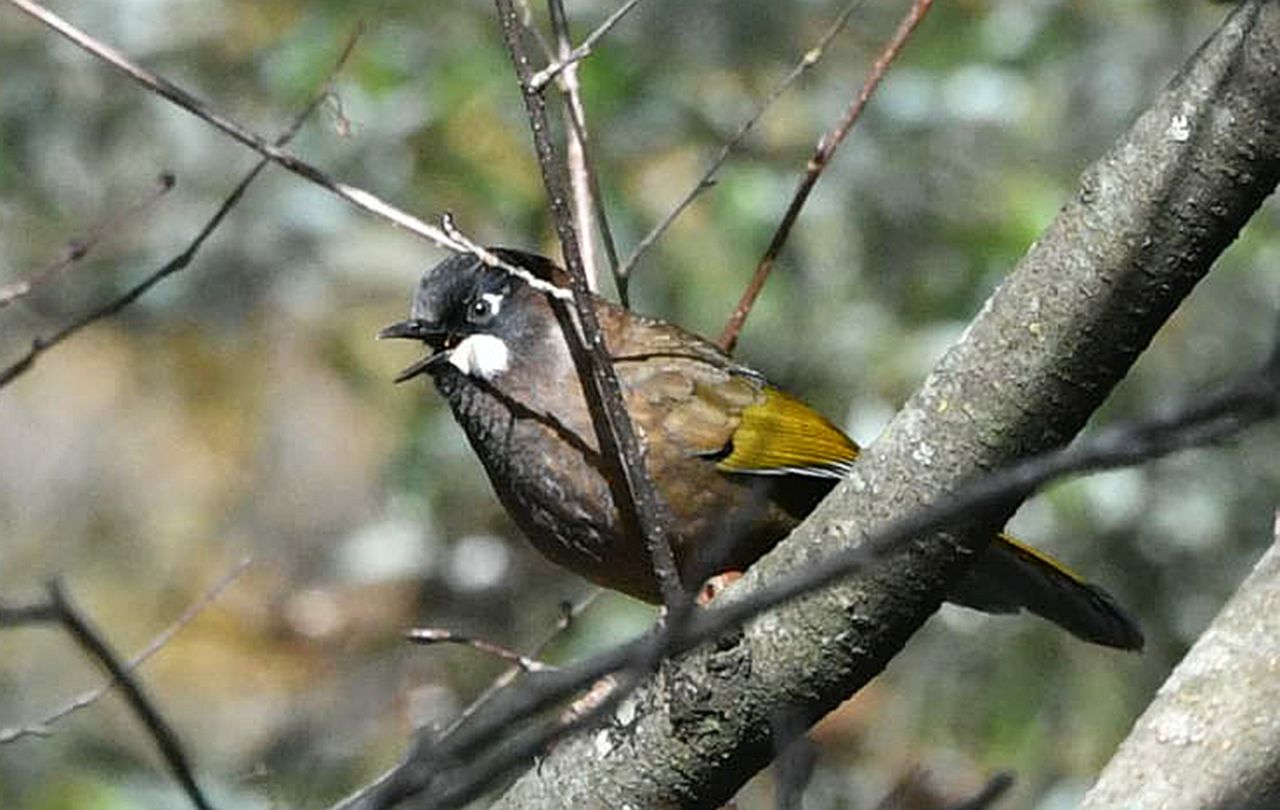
(737,461)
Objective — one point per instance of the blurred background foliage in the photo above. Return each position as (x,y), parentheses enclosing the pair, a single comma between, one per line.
(242,407)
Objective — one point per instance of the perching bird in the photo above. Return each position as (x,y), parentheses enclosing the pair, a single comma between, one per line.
(739,462)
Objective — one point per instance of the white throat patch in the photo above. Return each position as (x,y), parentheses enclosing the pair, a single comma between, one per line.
(483,356)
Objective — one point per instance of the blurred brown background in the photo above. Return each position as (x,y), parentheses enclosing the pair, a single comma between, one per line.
(243,407)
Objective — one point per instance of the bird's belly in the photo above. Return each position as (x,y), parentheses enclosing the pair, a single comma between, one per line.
(547,476)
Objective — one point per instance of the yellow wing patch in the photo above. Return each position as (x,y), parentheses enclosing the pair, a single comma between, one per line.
(780,434)
(1038,556)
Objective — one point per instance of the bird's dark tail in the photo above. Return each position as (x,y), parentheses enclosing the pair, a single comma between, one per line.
(1012,576)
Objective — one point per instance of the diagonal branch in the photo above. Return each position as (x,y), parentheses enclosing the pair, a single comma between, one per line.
(539,80)
(88,637)
(45,612)
(78,248)
(1211,737)
(274,152)
(707,180)
(44,343)
(822,155)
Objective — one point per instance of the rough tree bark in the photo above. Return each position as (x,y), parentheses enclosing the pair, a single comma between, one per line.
(1144,226)
(1211,738)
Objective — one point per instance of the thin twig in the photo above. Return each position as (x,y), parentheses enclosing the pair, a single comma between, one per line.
(588,207)
(392,782)
(568,617)
(539,80)
(635,494)
(822,155)
(810,58)
(437,635)
(40,728)
(158,84)
(76,249)
(42,344)
(88,637)
(15,614)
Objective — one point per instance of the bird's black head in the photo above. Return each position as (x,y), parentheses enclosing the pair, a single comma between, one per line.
(473,316)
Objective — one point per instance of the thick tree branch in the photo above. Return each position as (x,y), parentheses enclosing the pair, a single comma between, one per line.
(1144,227)
(1211,738)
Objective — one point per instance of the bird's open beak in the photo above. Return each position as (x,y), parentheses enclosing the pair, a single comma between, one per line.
(417,329)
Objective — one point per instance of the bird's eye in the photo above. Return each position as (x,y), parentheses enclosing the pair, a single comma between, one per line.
(483,309)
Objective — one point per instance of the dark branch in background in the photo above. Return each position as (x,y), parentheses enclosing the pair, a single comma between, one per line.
(634,493)
(822,155)
(810,58)
(58,608)
(17,614)
(88,637)
(44,611)
(78,248)
(584,181)
(42,344)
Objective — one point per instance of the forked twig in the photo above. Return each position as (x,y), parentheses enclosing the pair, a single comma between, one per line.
(810,58)
(822,155)
(539,80)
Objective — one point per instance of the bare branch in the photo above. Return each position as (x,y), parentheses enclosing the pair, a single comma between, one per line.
(822,155)
(17,614)
(48,613)
(271,151)
(568,616)
(810,58)
(427,636)
(88,637)
(42,344)
(539,80)
(588,204)
(78,248)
